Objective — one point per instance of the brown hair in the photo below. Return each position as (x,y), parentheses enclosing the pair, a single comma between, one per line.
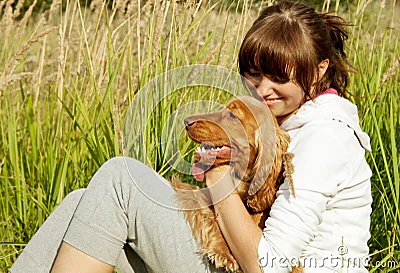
(289,40)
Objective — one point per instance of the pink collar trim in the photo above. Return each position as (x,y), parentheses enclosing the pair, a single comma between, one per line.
(327,91)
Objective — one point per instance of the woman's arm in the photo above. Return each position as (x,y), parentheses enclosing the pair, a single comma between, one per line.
(71,260)
(240,231)
(292,224)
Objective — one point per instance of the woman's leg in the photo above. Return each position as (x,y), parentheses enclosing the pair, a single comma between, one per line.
(41,251)
(127,202)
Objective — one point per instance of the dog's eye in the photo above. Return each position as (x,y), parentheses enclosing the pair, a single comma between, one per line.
(231,114)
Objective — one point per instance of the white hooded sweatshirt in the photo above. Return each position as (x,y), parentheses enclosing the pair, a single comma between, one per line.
(327,223)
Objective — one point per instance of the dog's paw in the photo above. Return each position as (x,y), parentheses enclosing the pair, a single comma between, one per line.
(226,261)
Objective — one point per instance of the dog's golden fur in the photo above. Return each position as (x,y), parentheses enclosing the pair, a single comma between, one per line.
(214,128)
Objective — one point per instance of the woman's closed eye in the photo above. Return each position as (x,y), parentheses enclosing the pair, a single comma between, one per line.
(277,79)
(256,77)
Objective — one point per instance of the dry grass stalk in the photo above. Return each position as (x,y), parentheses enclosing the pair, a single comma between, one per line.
(187,62)
(219,48)
(48,15)
(115,8)
(61,65)
(391,72)
(362,10)
(226,52)
(180,19)
(50,78)
(18,56)
(2,3)
(211,55)
(383,4)
(124,6)
(7,22)
(8,80)
(160,24)
(27,15)
(9,4)
(39,72)
(131,8)
(177,24)
(17,10)
(326,5)
(121,6)
(197,9)
(54,6)
(117,129)
(85,40)
(142,23)
(99,55)
(96,6)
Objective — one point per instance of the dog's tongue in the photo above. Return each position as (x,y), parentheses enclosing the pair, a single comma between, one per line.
(204,158)
(198,170)
(202,162)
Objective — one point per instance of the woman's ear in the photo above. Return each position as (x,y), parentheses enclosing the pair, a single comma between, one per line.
(322,67)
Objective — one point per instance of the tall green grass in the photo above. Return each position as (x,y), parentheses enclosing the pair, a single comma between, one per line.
(68,77)
(375,53)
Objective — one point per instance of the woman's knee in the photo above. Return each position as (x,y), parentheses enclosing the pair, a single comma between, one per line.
(74,196)
(126,176)
(123,163)
(120,171)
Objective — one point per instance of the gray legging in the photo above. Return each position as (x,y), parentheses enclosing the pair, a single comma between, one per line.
(126,217)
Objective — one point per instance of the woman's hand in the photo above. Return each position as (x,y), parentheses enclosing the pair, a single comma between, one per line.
(240,231)
(215,174)
(220,182)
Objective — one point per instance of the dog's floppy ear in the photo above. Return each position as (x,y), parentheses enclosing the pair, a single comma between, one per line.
(265,141)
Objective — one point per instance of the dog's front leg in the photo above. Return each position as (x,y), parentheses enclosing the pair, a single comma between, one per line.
(205,228)
(214,244)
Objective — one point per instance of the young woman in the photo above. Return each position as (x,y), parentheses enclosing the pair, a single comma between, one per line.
(295,58)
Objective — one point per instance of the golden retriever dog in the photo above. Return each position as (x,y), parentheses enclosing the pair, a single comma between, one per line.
(238,135)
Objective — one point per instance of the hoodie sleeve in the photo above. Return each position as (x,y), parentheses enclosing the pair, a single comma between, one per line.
(289,228)
(320,165)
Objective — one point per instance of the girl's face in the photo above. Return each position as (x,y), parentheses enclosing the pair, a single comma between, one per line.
(283,98)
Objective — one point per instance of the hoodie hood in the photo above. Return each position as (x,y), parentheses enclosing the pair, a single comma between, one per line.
(331,106)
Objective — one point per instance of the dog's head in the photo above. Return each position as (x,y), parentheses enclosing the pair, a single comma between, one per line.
(243,134)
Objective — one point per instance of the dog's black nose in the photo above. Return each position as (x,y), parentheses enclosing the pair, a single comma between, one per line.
(188,122)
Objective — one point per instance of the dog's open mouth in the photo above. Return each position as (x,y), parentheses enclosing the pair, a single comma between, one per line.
(205,157)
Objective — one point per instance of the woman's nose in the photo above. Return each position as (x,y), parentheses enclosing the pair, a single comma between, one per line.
(265,87)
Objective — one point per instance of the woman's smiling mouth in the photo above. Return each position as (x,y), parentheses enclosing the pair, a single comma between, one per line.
(272,101)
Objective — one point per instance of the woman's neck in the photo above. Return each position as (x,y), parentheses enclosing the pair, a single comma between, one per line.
(282,119)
